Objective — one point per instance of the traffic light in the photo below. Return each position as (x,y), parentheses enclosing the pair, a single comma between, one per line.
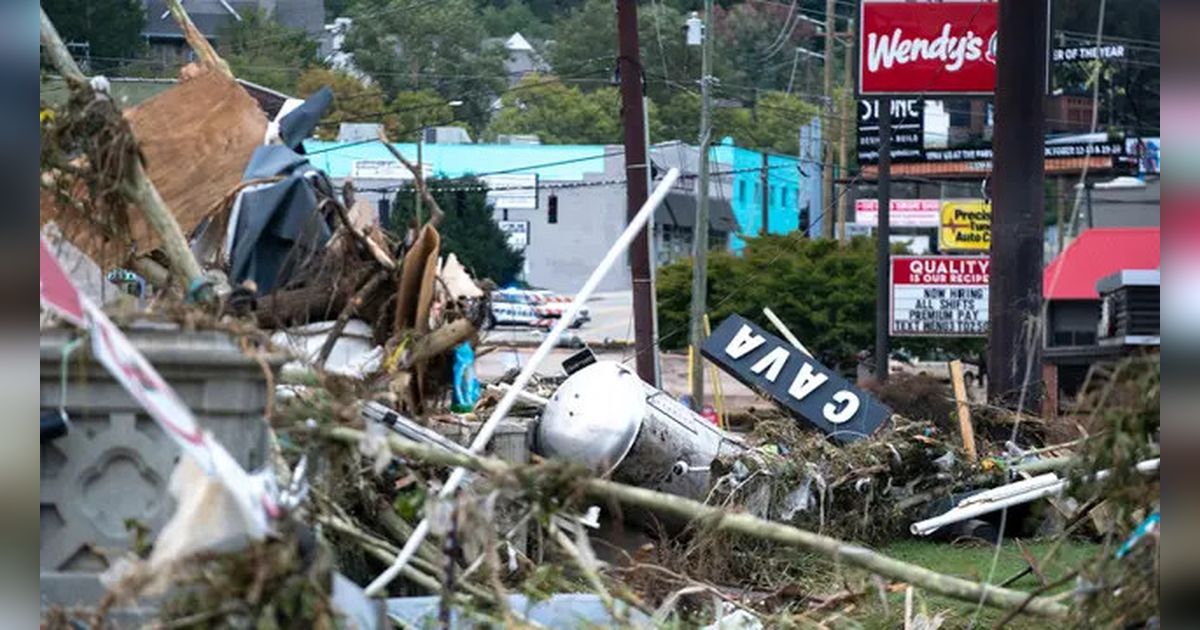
(552,210)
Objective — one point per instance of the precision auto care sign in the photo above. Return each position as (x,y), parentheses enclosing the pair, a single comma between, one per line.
(923,48)
(939,296)
(795,380)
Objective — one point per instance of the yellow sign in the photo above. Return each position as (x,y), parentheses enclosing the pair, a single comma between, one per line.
(966,225)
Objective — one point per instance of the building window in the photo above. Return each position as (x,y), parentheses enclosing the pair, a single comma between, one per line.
(742,191)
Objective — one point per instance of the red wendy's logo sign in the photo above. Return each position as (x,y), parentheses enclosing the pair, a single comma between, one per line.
(927,47)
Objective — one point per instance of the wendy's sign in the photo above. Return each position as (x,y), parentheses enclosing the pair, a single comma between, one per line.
(807,389)
(924,48)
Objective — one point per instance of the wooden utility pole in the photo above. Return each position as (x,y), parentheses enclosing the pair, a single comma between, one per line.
(827,146)
(846,113)
(765,178)
(630,66)
(1018,199)
(883,246)
(700,229)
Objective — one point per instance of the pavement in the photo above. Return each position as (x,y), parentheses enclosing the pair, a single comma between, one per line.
(612,323)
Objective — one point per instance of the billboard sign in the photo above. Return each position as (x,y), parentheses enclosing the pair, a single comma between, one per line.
(908,130)
(939,296)
(512,192)
(923,48)
(923,213)
(966,226)
(795,380)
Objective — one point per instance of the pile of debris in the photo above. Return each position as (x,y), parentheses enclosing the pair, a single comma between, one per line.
(555,500)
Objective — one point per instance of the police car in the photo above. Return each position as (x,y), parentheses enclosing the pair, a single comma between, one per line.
(533,308)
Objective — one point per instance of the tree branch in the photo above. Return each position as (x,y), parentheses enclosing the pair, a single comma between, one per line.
(435,212)
(746,524)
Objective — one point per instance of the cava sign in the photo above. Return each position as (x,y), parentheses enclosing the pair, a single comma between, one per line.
(795,380)
(940,296)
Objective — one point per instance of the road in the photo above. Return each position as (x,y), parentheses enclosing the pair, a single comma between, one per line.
(612,322)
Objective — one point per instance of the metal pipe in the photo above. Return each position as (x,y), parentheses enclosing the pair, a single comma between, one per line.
(485,432)
(968,509)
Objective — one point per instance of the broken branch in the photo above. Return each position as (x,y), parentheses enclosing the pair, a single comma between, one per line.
(746,524)
(435,213)
(204,50)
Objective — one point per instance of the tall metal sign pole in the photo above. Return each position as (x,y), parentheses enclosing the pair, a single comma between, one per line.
(630,67)
(883,264)
(1018,174)
(700,230)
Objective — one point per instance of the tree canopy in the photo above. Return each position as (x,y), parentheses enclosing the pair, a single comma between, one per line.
(824,292)
(260,49)
(112,29)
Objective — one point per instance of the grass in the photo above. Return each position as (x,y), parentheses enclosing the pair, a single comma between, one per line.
(969,560)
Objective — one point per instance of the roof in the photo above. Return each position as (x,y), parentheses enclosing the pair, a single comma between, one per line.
(305,15)
(209,16)
(1097,253)
(518,42)
(130,91)
(558,162)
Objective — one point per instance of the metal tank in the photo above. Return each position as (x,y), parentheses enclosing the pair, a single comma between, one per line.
(608,419)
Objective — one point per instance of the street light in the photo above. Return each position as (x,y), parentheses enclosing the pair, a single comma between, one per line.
(420,164)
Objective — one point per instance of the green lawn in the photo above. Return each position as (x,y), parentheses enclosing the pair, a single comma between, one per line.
(971,561)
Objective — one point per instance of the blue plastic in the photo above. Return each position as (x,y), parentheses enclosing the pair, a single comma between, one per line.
(466,385)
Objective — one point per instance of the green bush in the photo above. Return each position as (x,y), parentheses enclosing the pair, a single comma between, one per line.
(824,293)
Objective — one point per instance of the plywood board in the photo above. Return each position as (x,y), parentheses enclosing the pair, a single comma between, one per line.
(197,138)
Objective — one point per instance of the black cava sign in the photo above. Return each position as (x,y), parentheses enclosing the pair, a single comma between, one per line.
(795,380)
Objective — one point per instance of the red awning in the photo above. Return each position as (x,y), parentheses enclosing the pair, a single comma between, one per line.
(1097,253)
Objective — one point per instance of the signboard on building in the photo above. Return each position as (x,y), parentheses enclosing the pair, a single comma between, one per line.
(939,296)
(385,169)
(908,130)
(924,213)
(518,233)
(923,48)
(966,225)
(809,390)
(512,192)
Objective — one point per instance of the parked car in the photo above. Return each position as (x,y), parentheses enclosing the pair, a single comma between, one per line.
(534,308)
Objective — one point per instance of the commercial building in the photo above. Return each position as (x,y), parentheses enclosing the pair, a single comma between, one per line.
(565,204)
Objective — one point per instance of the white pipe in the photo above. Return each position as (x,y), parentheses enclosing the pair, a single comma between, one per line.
(518,385)
(787,334)
(966,510)
(532,399)
(1011,490)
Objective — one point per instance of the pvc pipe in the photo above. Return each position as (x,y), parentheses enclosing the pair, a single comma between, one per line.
(1010,490)
(518,385)
(966,509)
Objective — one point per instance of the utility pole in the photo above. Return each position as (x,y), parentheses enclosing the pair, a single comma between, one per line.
(845,116)
(420,175)
(632,118)
(827,147)
(766,196)
(1018,173)
(700,229)
(883,245)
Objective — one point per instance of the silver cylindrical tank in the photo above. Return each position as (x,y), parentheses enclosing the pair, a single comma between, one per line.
(608,419)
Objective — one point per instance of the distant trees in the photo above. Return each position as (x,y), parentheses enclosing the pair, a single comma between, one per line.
(824,292)
(468,229)
(111,28)
(260,49)
(437,46)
